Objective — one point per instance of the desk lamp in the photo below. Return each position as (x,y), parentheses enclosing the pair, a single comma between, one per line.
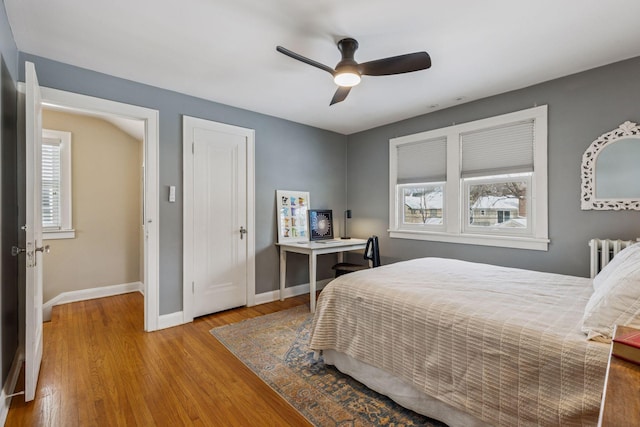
(347,214)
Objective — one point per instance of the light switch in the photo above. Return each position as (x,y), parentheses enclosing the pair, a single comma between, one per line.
(172,193)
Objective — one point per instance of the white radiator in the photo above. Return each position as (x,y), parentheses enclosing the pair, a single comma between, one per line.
(602,250)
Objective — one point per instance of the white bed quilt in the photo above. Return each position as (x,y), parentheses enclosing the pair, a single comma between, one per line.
(502,344)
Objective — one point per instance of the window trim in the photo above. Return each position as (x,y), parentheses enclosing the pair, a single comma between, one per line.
(66,230)
(454,203)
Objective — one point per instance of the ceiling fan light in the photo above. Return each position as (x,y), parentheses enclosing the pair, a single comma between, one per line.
(347,79)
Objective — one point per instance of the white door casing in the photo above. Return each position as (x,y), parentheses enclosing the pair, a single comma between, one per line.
(33,232)
(218,204)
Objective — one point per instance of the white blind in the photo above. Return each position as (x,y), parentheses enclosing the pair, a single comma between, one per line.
(51,184)
(499,150)
(422,161)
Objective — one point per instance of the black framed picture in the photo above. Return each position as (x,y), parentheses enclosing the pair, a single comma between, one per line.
(320,224)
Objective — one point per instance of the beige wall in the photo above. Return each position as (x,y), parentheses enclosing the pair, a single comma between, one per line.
(106,212)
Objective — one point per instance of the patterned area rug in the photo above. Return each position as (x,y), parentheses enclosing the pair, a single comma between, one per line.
(275,347)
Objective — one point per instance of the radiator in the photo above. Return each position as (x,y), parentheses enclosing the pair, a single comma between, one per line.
(602,250)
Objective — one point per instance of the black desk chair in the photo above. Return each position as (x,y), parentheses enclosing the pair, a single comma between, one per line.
(371,254)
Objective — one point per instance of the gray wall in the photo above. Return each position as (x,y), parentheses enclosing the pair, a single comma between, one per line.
(581,108)
(8,45)
(9,324)
(289,156)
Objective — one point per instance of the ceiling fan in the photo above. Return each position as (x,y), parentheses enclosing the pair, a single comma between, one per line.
(348,72)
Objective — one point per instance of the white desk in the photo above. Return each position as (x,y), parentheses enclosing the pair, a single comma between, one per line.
(313,249)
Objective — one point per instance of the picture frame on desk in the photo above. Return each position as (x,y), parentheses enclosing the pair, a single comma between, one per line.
(292,215)
(320,224)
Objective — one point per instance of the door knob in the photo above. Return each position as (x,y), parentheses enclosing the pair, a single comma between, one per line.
(45,249)
(243,231)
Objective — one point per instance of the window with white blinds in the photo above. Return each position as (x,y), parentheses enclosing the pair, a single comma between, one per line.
(422,161)
(499,150)
(56,185)
(495,174)
(420,182)
(51,184)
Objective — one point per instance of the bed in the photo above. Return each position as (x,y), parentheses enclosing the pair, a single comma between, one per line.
(471,344)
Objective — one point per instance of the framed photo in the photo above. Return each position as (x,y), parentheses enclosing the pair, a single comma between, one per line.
(293,207)
(320,224)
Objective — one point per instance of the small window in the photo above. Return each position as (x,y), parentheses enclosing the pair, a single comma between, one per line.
(503,216)
(56,185)
(421,205)
(498,204)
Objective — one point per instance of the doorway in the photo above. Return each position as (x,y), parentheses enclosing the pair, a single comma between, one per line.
(92,206)
(81,104)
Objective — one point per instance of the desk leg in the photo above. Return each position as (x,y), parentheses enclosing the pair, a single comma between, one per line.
(283,271)
(340,257)
(312,281)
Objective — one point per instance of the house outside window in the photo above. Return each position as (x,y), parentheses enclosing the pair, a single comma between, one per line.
(56,185)
(498,204)
(482,182)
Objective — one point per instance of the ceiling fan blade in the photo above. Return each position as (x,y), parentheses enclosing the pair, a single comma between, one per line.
(396,64)
(340,95)
(305,60)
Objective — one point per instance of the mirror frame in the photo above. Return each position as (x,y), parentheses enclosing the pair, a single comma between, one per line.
(588,198)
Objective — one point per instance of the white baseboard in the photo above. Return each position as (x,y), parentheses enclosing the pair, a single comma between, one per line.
(176,319)
(289,292)
(170,320)
(9,386)
(86,294)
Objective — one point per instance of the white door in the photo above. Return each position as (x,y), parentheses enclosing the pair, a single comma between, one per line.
(218,217)
(33,231)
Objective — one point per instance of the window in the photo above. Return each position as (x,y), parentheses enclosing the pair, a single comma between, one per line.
(498,204)
(421,205)
(421,183)
(482,182)
(56,185)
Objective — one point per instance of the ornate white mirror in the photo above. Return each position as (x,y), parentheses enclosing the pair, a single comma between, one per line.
(611,170)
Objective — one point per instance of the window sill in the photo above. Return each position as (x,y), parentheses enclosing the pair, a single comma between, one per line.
(58,234)
(516,242)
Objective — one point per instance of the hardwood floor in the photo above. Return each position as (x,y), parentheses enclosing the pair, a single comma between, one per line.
(101,369)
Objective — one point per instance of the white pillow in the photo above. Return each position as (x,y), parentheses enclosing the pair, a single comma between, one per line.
(616,301)
(604,274)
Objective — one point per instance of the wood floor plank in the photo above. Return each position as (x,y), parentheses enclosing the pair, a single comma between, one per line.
(100,368)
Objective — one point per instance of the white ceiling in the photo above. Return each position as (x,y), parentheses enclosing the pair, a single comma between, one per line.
(224,50)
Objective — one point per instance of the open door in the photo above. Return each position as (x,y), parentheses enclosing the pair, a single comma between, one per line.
(33,232)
